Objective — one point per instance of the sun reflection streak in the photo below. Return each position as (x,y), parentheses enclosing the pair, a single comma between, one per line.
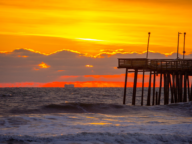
(100,123)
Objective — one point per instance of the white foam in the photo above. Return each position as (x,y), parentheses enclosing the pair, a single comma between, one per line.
(64,124)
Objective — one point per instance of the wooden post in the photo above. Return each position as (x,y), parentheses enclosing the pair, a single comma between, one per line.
(153,88)
(153,100)
(149,91)
(134,87)
(143,80)
(185,90)
(156,98)
(125,87)
(189,93)
(159,99)
(177,87)
(170,84)
(181,87)
(165,88)
(174,88)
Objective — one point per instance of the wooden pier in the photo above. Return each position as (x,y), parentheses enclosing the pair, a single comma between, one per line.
(174,75)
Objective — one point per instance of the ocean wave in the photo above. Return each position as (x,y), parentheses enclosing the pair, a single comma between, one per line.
(84,107)
(184,109)
(107,138)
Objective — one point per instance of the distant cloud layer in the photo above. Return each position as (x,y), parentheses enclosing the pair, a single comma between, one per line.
(25,66)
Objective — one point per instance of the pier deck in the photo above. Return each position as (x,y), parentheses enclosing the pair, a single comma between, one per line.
(176,74)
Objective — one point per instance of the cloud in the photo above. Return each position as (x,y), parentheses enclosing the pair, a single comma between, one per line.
(43,65)
(65,66)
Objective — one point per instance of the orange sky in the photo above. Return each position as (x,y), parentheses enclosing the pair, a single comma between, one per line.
(88,28)
(93,26)
(97,81)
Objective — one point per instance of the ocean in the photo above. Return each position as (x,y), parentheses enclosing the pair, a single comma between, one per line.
(89,116)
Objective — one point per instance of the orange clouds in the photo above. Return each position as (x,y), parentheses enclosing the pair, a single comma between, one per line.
(43,65)
(88,66)
(60,70)
(36,69)
(22,56)
(104,76)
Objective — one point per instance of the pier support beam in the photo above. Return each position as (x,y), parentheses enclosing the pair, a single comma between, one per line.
(125,87)
(177,87)
(168,75)
(181,87)
(165,90)
(153,88)
(189,93)
(143,80)
(149,91)
(174,88)
(160,85)
(156,102)
(171,87)
(134,87)
(185,88)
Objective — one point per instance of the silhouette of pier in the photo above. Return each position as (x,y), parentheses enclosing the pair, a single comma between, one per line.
(174,76)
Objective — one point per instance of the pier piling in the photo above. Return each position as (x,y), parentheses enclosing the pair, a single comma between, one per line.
(156,102)
(134,87)
(125,88)
(160,84)
(153,87)
(149,91)
(143,80)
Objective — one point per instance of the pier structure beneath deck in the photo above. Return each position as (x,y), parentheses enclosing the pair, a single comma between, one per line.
(174,75)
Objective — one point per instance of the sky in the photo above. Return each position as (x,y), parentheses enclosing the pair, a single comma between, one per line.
(53,42)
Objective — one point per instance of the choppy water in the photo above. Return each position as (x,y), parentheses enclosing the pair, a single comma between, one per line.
(89,115)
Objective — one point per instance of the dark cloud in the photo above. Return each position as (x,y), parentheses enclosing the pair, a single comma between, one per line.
(16,68)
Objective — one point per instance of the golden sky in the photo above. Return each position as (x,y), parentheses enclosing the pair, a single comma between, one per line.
(93,26)
(86,28)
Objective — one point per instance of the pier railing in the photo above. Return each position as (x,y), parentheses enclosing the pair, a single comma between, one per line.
(170,64)
(157,64)
(132,63)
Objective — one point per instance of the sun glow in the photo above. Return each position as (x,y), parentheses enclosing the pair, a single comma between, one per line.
(89,39)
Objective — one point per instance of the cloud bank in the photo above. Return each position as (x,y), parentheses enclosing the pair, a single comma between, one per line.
(21,66)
